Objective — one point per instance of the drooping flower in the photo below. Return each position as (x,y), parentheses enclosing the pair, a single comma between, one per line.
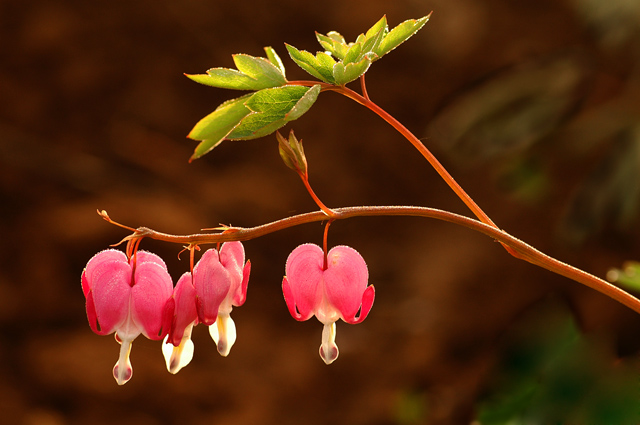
(129,297)
(177,346)
(331,291)
(220,281)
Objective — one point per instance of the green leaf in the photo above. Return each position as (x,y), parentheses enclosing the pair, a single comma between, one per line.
(261,69)
(320,66)
(275,59)
(334,43)
(224,78)
(253,74)
(336,36)
(273,108)
(371,44)
(353,53)
(375,29)
(212,129)
(374,36)
(366,43)
(400,34)
(344,74)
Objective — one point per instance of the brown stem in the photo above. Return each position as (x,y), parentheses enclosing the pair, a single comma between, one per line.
(325,247)
(524,251)
(426,153)
(319,203)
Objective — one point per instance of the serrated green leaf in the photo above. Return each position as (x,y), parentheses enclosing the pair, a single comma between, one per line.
(305,60)
(320,66)
(260,69)
(344,74)
(224,78)
(305,103)
(371,43)
(374,36)
(212,129)
(353,53)
(273,108)
(326,63)
(400,34)
(335,35)
(336,47)
(252,74)
(380,25)
(275,59)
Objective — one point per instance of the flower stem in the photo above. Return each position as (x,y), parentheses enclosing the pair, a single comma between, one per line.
(424,151)
(319,203)
(325,244)
(522,249)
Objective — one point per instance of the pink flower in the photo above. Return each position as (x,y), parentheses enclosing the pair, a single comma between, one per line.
(128,297)
(177,347)
(220,281)
(337,290)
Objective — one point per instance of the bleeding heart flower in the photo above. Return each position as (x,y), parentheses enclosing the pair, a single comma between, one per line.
(177,347)
(220,280)
(128,297)
(331,291)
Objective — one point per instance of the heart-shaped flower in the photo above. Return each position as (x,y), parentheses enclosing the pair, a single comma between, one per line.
(330,288)
(129,297)
(220,279)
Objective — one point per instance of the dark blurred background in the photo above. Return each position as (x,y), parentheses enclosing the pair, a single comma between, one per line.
(533,106)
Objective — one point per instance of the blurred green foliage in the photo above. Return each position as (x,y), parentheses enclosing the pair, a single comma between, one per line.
(628,277)
(551,373)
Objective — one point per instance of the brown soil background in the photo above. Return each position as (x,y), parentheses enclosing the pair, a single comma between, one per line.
(94,114)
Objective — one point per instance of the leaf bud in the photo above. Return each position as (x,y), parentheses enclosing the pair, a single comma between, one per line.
(292,153)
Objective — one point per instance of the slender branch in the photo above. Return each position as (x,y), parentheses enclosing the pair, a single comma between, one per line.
(426,153)
(312,193)
(363,86)
(524,251)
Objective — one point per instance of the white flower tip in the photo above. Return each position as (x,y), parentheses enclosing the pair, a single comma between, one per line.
(328,349)
(123,371)
(223,333)
(177,357)
(329,353)
(122,374)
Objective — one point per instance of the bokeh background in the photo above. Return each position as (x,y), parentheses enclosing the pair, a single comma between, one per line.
(534,106)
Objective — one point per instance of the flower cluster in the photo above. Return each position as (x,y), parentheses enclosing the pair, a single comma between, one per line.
(133,295)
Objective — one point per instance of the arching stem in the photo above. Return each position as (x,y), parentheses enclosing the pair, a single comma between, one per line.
(522,249)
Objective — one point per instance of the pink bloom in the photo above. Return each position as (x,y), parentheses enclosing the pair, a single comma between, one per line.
(220,280)
(128,298)
(177,346)
(337,291)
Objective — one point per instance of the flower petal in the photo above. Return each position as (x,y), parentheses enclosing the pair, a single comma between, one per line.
(241,295)
(302,285)
(123,371)
(232,259)
(212,283)
(232,255)
(185,314)
(291,304)
(223,333)
(367,303)
(328,349)
(110,289)
(177,357)
(345,280)
(92,315)
(149,257)
(97,262)
(151,290)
